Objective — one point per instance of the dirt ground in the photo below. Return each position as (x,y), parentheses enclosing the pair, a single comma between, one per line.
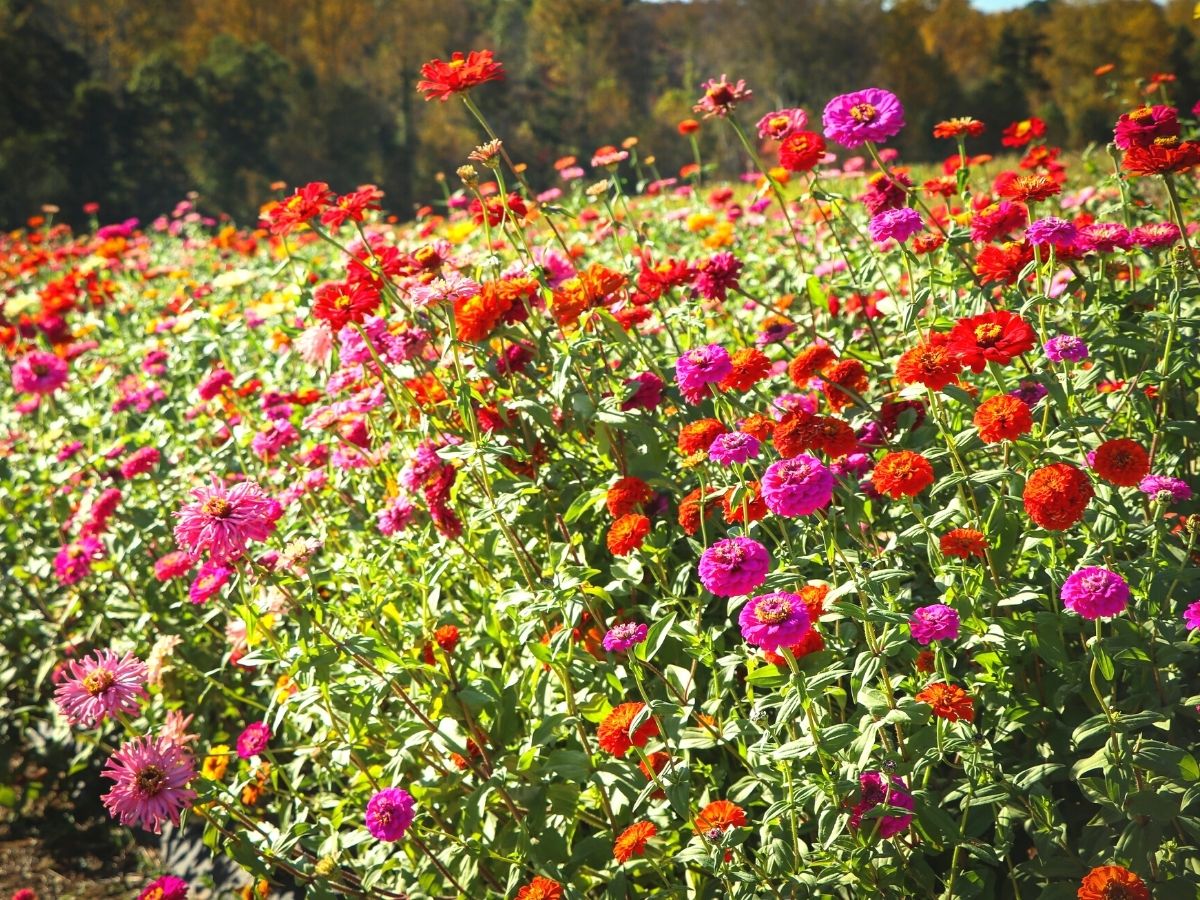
(28,863)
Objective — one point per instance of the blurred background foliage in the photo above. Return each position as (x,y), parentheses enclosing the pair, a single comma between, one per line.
(132,103)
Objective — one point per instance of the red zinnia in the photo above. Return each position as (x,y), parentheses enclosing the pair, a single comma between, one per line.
(626,496)
(613,735)
(1121,462)
(902,474)
(994,336)
(1003,263)
(1162,157)
(1055,496)
(339,304)
(1112,883)
(719,816)
(964,543)
(931,363)
(801,151)
(849,374)
(1002,418)
(460,74)
(960,127)
(541,888)
(627,534)
(1018,134)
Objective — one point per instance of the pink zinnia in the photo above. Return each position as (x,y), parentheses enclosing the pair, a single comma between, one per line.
(624,635)
(798,486)
(871,114)
(721,96)
(168,887)
(140,462)
(38,372)
(389,814)
(172,565)
(222,521)
(771,621)
(253,739)
(101,685)
(646,392)
(1143,126)
(937,622)
(875,791)
(781,123)
(151,776)
(211,578)
(734,566)
(73,562)
(1095,592)
(696,369)
(214,382)
(733,447)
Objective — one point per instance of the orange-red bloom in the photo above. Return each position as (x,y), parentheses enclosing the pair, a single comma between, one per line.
(964,543)
(902,474)
(1162,157)
(964,126)
(1018,134)
(632,841)
(541,888)
(460,74)
(1002,418)
(997,337)
(931,363)
(750,366)
(719,816)
(801,151)
(949,702)
(849,374)
(809,362)
(613,735)
(627,534)
(340,304)
(1112,883)
(1121,462)
(1055,496)
(627,495)
(697,437)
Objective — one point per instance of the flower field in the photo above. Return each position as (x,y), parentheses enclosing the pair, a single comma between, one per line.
(826,534)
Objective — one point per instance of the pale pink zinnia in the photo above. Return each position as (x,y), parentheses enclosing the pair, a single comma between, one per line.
(101,685)
(224,520)
(151,776)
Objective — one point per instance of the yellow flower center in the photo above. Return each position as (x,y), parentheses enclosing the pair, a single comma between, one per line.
(863,112)
(988,333)
(98,681)
(217,507)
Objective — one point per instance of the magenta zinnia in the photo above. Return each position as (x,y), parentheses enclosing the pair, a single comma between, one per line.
(223,520)
(151,776)
(101,685)
(389,813)
(771,621)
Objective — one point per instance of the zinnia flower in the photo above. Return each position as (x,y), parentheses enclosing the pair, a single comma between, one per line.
(613,734)
(1051,231)
(168,887)
(1112,883)
(151,776)
(1094,592)
(721,96)
(389,814)
(1165,489)
(931,363)
(949,702)
(73,562)
(101,685)
(38,373)
(963,543)
(1191,616)
(540,888)
(733,447)
(253,740)
(718,817)
(632,841)
(1065,347)
(223,520)
(902,474)
(997,337)
(627,534)
(1121,461)
(1002,417)
(895,224)
(1144,125)
(696,369)
(867,115)
(798,486)
(734,566)
(801,151)
(937,622)
(624,636)
(1056,495)
(771,621)
(441,80)
(627,495)
(874,791)
(781,123)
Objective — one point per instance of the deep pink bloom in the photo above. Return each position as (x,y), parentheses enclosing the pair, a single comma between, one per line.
(211,578)
(733,447)
(73,562)
(1156,235)
(875,791)
(101,685)
(223,520)
(1095,592)
(168,887)
(895,224)
(151,776)
(1104,237)
(1144,125)
(141,461)
(253,740)
(624,635)
(389,814)
(395,516)
(871,114)
(734,566)
(934,623)
(38,372)
(696,369)
(797,486)
(172,565)
(1191,616)
(214,382)
(1051,231)
(771,621)
(717,275)
(647,392)
(1065,347)
(1165,489)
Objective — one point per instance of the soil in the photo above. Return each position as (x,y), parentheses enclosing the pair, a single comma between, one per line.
(58,875)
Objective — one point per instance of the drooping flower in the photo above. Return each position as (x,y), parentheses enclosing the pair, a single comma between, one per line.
(1065,348)
(101,685)
(721,96)
(775,620)
(613,734)
(38,373)
(895,224)
(168,887)
(151,777)
(1120,461)
(1112,883)
(1056,495)
(1094,592)
(949,702)
(734,566)
(902,473)
(632,841)
(389,814)
(797,486)
(871,114)
(936,622)
(875,791)
(624,636)
(253,740)
(441,80)
(222,521)
(1165,489)
(733,447)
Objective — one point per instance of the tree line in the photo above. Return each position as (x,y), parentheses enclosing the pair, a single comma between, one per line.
(133,103)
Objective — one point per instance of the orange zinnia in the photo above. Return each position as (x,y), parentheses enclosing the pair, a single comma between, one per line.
(902,474)
(627,534)
(613,734)
(719,815)
(541,888)
(632,841)
(949,702)
(1112,883)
